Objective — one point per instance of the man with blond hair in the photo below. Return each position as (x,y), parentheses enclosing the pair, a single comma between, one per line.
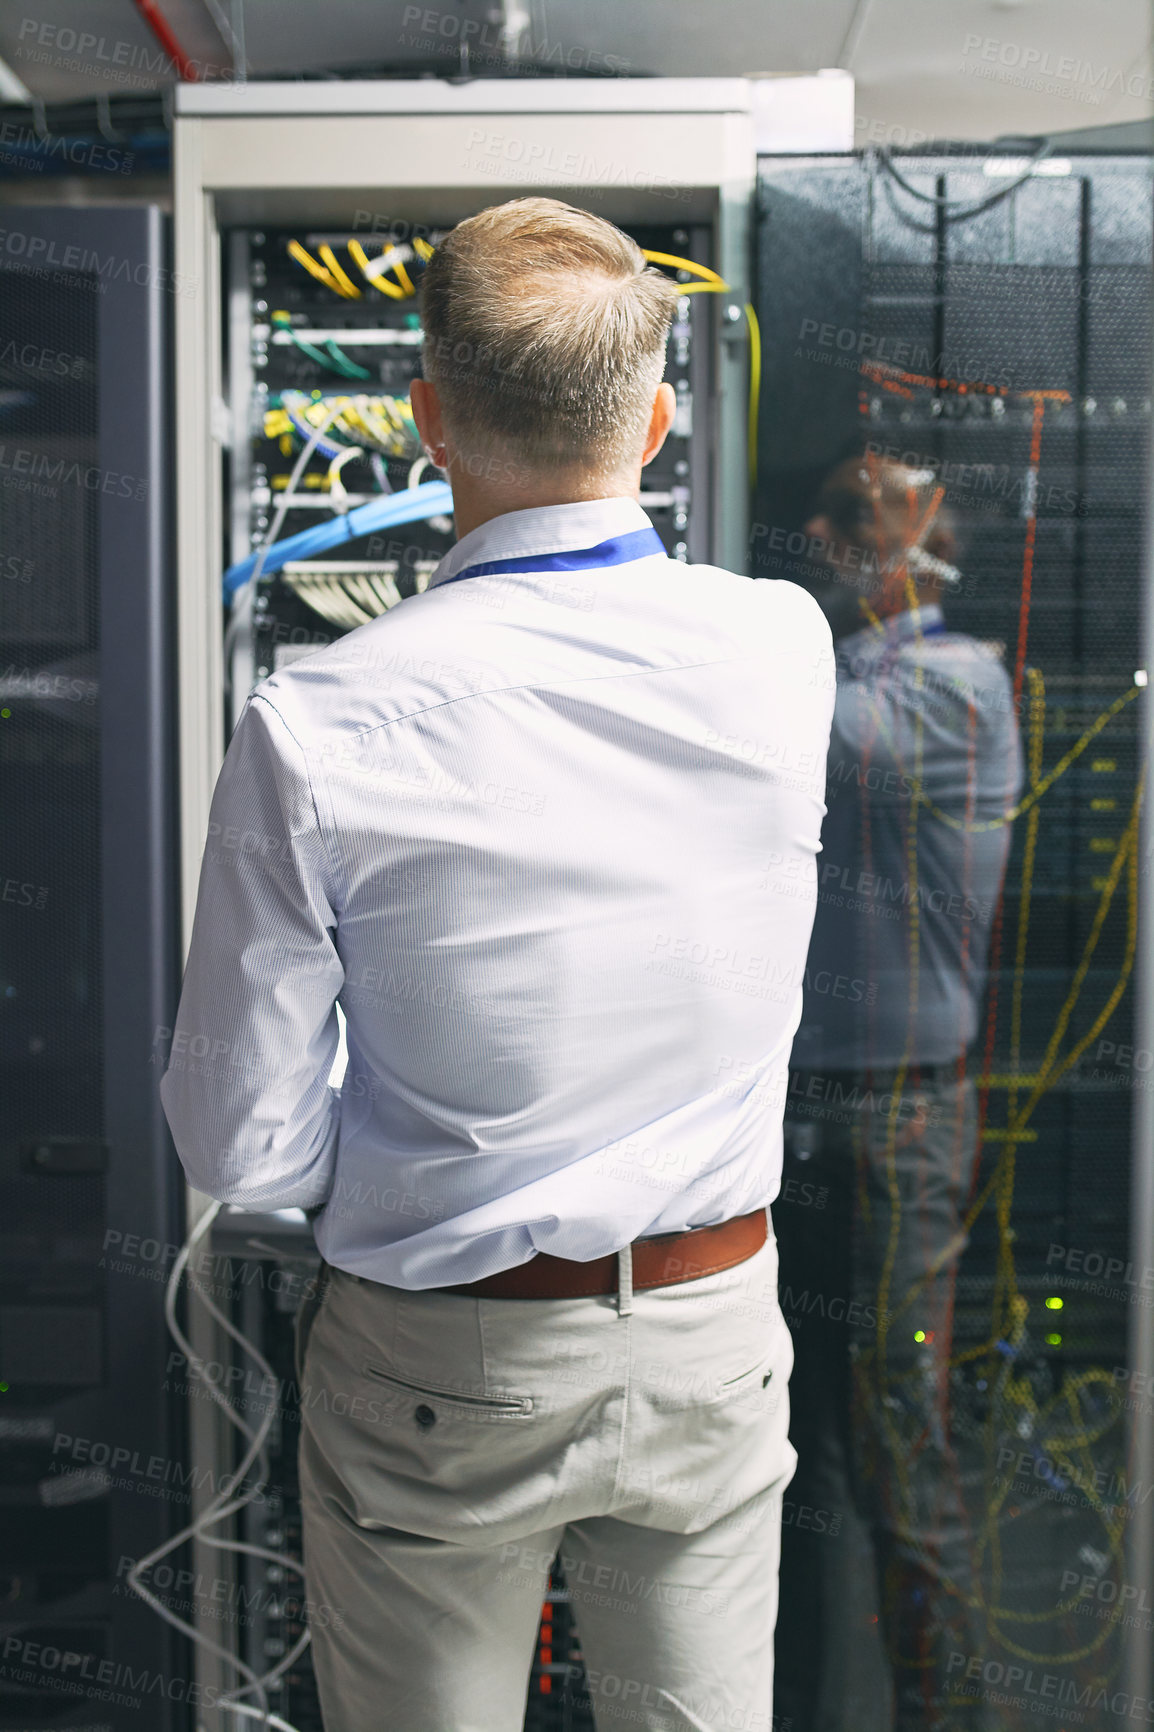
(547,834)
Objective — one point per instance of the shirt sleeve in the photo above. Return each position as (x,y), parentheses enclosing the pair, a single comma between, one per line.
(246,1091)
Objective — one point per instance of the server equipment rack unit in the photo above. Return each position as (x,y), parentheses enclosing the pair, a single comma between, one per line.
(987,321)
(91,1465)
(268,175)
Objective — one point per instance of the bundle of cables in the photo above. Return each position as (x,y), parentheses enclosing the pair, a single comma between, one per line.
(243,1486)
(349,593)
(364,419)
(365,423)
(409,505)
(398,259)
(369,428)
(329,356)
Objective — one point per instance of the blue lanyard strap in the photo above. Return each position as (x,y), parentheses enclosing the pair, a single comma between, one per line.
(618,550)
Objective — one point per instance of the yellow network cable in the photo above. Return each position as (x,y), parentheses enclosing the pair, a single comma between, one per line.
(1051,1070)
(391,260)
(377,423)
(1007,1300)
(1037,718)
(1126,854)
(712,284)
(305,258)
(373,415)
(1053,1445)
(359,256)
(754,388)
(681,264)
(1035,794)
(1070,1440)
(344,283)
(377,278)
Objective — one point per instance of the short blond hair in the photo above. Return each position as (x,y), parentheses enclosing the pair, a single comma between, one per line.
(544,334)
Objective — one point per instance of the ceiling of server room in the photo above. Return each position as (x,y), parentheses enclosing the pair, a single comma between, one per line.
(924,68)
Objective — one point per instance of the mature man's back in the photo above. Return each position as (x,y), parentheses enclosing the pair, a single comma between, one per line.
(564,823)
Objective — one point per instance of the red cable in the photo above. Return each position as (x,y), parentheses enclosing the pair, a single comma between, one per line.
(1028,551)
(162,30)
(1039,400)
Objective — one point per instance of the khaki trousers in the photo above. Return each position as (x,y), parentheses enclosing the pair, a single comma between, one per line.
(451,1447)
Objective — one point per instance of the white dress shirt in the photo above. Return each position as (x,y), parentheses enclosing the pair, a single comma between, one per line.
(548,835)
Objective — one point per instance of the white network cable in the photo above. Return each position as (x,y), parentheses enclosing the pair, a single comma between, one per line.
(225,1503)
(240,619)
(338,496)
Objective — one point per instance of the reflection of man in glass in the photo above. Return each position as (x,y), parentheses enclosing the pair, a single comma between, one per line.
(882,1134)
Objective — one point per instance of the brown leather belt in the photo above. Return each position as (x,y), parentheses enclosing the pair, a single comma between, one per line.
(657,1262)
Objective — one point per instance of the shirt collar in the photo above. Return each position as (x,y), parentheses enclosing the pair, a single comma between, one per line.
(542,529)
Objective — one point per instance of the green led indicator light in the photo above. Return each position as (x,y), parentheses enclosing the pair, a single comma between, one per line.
(1053,1304)
(919,1334)
(5,712)
(1054,1340)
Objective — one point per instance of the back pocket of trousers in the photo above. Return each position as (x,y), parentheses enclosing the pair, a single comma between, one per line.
(750,1384)
(463,1404)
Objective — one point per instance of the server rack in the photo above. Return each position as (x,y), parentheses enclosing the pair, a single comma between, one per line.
(92,1470)
(1003,344)
(259,168)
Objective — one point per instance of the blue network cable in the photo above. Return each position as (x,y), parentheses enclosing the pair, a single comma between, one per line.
(407,506)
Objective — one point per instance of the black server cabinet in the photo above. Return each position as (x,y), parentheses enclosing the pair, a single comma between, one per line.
(91,1471)
(988,331)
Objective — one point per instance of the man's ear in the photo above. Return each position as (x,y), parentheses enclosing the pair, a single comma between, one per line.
(660,421)
(426,406)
